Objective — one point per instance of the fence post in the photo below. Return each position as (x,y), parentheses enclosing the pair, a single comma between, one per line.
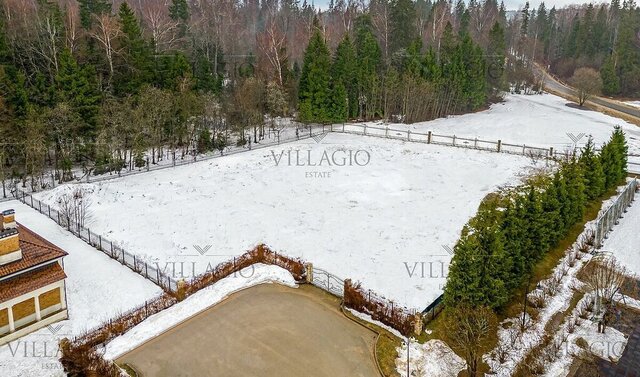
(454,140)
(309,268)
(100,240)
(551,152)
(365,129)
(499,146)
(429,137)
(408,135)
(89,234)
(475,143)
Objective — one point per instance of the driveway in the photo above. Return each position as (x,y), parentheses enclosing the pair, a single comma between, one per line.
(267,331)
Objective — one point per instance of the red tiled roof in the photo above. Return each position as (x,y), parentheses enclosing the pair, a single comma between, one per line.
(35,250)
(30,281)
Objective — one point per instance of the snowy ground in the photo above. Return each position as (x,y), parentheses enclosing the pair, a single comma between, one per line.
(97,288)
(633,103)
(537,120)
(382,220)
(624,241)
(200,301)
(431,359)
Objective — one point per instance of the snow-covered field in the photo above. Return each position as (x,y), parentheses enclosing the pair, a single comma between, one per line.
(538,120)
(382,219)
(97,288)
(624,240)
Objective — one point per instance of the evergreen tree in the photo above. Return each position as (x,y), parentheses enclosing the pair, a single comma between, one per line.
(536,242)
(593,173)
(515,233)
(76,86)
(179,11)
(91,8)
(627,50)
(576,198)
(137,65)
(524,17)
(610,79)
(314,89)
(552,217)
(496,52)
(344,72)
(369,62)
(403,25)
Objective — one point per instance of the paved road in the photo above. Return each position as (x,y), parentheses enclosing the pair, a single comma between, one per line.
(551,83)
(265,331)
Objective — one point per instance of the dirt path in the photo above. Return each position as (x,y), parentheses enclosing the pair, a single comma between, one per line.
(268,331)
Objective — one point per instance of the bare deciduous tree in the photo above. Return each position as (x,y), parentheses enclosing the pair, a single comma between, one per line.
(468,329)
(604,275)
(74,208)
(587,82)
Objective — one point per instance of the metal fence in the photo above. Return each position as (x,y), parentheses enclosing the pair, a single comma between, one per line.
(606,221)
(101,243)
(328,282)
(431,311)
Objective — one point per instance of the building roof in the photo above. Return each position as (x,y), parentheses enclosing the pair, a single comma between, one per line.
(30,281)
(35,251)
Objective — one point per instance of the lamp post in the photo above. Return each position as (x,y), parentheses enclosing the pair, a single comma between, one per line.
(408,346)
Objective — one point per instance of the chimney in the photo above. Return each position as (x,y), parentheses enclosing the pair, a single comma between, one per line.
(8,219)
(9,246)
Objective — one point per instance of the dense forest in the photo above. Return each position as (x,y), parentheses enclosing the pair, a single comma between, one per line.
(108,85)
(605,37)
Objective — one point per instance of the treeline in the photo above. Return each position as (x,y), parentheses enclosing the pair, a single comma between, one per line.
(515,229)
(111,85)
(599,36)
(355,82)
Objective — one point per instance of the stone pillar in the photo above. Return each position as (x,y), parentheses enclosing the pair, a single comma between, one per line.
(417,324)
(12,325)
(309,269)
(36,301)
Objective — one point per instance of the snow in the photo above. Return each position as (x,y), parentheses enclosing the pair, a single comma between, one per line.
(367,318)
(608,345)
(633,103)
(381,219)
(624,241)
(198,302)
(97,288)
(434,358)
(536,120)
